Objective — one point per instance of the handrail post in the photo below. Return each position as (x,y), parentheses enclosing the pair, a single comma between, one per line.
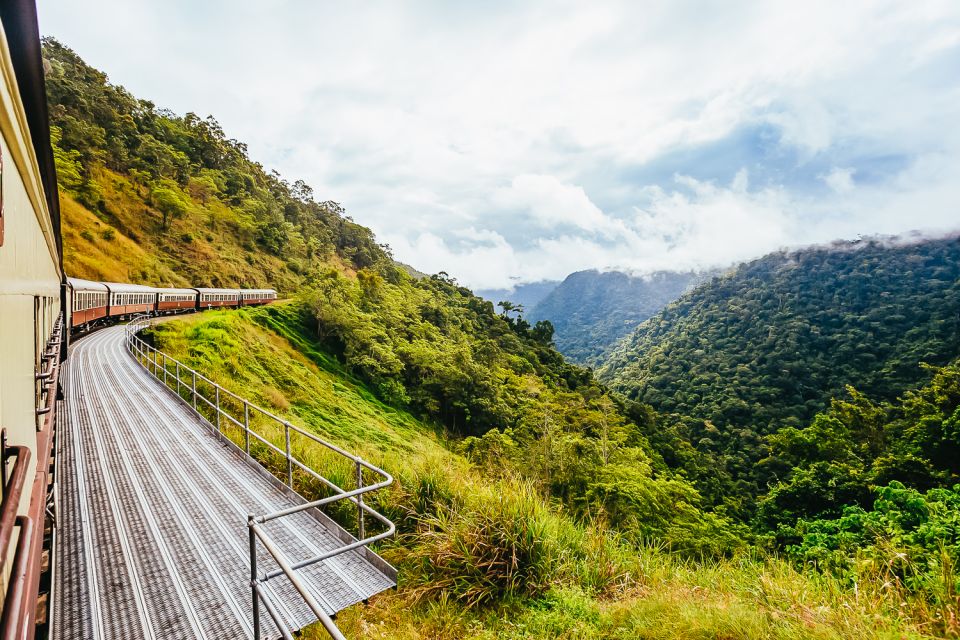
(253,578)
(218,410)
(165,369)
(178,378)
(193,388)
(360,520)
(286,430)
(246,426)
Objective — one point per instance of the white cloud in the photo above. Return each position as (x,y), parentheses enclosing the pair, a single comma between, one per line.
(840,179)
(551,204)
(496,141)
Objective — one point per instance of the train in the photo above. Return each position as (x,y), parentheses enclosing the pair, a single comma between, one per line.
(92,304)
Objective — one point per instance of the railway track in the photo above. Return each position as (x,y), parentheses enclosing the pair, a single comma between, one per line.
(152,523)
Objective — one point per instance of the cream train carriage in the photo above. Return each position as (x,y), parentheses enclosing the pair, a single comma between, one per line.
(32,336)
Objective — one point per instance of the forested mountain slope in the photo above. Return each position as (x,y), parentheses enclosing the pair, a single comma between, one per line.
(592,310)
(769,344)
(152,197)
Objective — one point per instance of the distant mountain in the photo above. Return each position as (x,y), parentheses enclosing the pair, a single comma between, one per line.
(592,310)
(527,295)
(770,343)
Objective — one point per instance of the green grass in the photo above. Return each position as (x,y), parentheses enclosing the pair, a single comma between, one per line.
(489,558)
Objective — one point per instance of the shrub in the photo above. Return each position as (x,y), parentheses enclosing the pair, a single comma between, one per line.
(502,541)
(86,235)
(108,234)
(187,238)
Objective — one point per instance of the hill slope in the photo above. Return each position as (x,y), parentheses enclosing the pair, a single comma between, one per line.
(151,197)
(592,310)
(769,344)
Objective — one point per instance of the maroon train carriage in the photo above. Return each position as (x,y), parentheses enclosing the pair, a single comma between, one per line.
(176,300)
(209,298)
(257,296)
(88,301)
(130,299)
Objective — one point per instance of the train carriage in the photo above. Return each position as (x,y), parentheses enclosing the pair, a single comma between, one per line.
(130,299)
(32,312)
(88,301)
(208,298)
(257,296)
(170,300)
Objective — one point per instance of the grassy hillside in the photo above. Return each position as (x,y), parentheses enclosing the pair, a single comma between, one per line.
(568,580)
(592,310)
(155,198)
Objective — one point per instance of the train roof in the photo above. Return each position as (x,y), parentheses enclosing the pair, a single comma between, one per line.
(174,290)
(258,290)
(22,33)
(122,287)
(78,284)
(209,290)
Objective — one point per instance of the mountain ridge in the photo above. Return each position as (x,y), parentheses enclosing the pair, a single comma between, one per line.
(592,310)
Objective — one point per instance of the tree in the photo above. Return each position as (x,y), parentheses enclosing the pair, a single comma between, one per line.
(169,203)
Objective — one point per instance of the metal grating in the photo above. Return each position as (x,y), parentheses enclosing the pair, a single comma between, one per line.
(152,537)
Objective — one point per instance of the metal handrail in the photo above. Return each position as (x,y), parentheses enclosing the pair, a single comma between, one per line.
(12,490)
(153,360)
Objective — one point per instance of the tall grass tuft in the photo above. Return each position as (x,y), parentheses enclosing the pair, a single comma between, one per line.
(503,542)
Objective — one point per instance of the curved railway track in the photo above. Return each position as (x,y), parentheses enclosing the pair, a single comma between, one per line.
(153,517)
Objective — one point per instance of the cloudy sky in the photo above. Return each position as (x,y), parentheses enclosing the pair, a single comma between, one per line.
(514,142)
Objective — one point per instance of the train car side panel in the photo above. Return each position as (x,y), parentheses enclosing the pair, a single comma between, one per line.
(30,294)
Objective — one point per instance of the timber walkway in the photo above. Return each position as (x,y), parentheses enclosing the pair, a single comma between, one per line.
(152,518)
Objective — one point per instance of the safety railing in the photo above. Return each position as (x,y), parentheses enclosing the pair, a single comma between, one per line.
(184,380)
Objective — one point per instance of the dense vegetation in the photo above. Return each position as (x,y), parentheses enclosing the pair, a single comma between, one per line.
(561,579)
(152,197)
(592,310)
(873,482)
(532,501)
(433,347)
(767,346)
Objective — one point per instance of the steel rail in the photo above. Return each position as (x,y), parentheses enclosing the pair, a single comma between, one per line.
(153,361)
